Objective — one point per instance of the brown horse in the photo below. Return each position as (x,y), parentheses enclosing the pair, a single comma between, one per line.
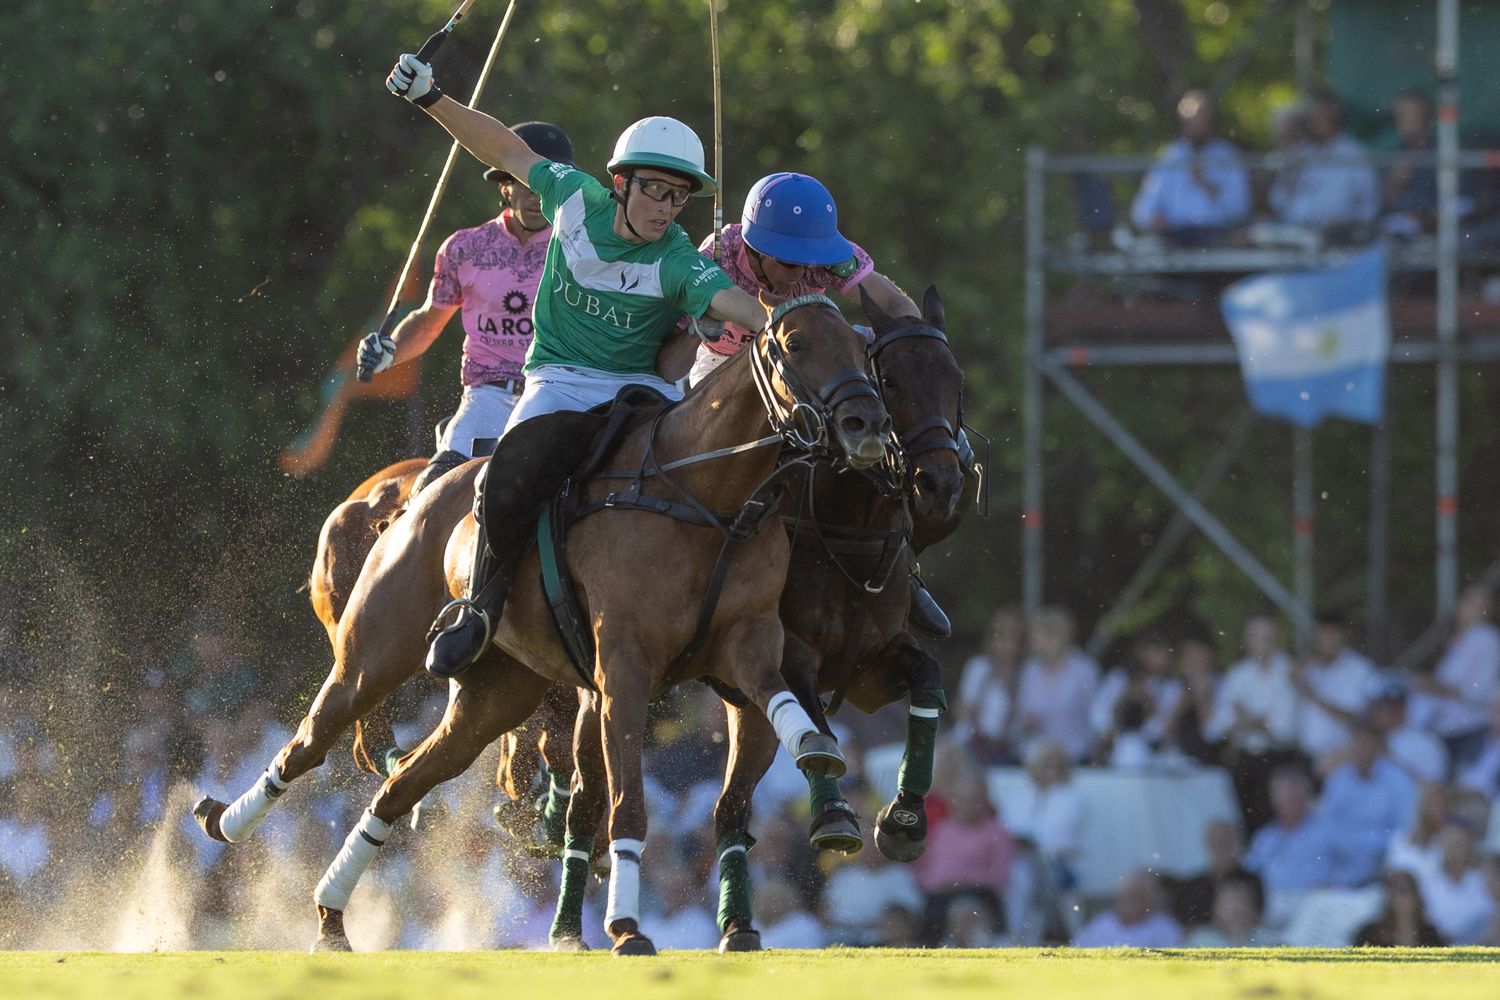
(640,577)
(844,610)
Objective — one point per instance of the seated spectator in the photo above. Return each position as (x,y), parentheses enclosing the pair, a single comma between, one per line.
(1183,736)
(680,919)
(782,920)
(1455,698)
(1368,800)
(1458,900)
(1236,918)
(1135,702)
(1293,854)
(987,692)
(1138,918)
(1255,712)
(971,921)
(860,894)
(1408,192)
(1490,938)
(1198,190)
(898,927)
(969,850)
(1418,848)
(1193,897)
(1045,816)
(1483,775)
(1417,752)
(1334,682)
(1332,186)
(28,845)
(1403,920)
(1057,687)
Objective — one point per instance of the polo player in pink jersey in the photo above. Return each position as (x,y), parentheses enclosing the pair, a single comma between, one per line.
(788,242)
(491,273)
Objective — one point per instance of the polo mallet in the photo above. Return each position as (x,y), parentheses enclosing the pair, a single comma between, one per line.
(433,43)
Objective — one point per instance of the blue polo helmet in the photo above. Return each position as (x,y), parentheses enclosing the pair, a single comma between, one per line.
(792,217)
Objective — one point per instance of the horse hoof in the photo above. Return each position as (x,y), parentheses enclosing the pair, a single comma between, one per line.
(331,936)
(818,753)
(569,943)
(901,832)
(207,812)
(739,941)
(515,817)
(836,829)
(634,944)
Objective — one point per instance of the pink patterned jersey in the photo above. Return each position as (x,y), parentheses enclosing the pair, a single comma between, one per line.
(493,277)
(735,262)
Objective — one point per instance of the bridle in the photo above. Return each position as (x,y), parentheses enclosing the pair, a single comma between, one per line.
(934,433)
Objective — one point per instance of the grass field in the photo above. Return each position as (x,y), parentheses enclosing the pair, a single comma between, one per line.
(1452,974)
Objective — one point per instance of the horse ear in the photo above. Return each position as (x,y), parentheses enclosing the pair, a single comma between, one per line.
(932,307)
(878,317)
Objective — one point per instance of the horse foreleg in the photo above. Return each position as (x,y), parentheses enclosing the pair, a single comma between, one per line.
(901,826)
(752,749)
(835,824)
(587,805)
(495,695)
(626,674)
(753,650)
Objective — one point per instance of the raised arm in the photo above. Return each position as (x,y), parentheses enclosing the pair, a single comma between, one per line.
(734,305)
(485,137)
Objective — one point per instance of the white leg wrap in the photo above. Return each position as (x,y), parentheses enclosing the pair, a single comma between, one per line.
(789,720)
(244,814)
(562,791)
(924,713)
(624,881)
(360,848)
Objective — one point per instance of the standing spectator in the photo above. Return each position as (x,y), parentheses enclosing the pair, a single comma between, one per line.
(1136,701)
(1198,190)
(1368,800)
(1418,848)
(987,691)
(1255,711)
(1332,187)
(1483,776)
(1193,897)
(1237,906)
(1457,694)
(1057,686)
(1334,682)
(1403,920)
(1137,920)
(967,851)
(1046,817)
(1293,853)
(1408,192)
(1458,901)
(1417,752)
(1184,734)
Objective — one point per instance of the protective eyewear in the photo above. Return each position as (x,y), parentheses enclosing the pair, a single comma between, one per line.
(659,191)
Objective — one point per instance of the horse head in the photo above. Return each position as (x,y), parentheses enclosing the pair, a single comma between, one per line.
(810,368)
(922,387)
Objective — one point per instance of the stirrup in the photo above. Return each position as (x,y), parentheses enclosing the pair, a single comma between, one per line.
(462,604)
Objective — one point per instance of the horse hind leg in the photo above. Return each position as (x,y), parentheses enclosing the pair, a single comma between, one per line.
(901,826)
(587,805)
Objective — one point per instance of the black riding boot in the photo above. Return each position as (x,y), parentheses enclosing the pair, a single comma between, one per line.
(925,615)
(459,644)
(440,464)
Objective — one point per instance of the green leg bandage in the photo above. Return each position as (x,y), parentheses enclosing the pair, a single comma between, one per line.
(568,922)
(921,740)
(388,761)
(555,815)
(822,790)
(734,879)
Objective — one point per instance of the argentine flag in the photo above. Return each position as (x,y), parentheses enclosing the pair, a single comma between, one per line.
(1314,343)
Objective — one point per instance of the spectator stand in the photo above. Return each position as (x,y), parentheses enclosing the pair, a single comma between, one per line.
(1064,340)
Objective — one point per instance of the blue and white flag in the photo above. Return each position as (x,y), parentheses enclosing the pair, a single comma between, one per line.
(1314,343)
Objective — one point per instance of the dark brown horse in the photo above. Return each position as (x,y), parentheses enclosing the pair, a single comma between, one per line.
(844,610)
(640,577)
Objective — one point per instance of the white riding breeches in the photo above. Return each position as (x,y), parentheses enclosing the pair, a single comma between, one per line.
(483,412)
(704,362)
(551,388)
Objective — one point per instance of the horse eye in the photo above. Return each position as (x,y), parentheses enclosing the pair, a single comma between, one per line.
(795,345)
(886,382)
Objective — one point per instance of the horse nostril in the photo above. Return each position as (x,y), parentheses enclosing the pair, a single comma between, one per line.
(853,425)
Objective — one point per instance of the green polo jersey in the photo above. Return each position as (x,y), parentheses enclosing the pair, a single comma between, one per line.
(604,302)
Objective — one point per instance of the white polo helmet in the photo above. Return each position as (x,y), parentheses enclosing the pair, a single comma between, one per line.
(665,144)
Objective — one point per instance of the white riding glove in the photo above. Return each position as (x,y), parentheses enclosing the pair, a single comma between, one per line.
(411,78)
(376,353)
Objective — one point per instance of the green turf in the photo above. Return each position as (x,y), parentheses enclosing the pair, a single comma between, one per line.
(1452,974)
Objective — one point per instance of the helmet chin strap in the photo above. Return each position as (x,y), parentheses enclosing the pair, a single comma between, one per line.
(624,202)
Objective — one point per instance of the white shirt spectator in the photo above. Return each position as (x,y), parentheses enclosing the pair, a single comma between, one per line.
(981,688)
(1344,683)
(1051,818)
(1054,703)
(691,927)
(1418,753)
(1458,909)
(1106,931)
(1328,185)
(24,849)
(1403,855)
(1171,197)
(1471,665)
(796,930)
(1165,691)
(1262,691)
(856,895)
